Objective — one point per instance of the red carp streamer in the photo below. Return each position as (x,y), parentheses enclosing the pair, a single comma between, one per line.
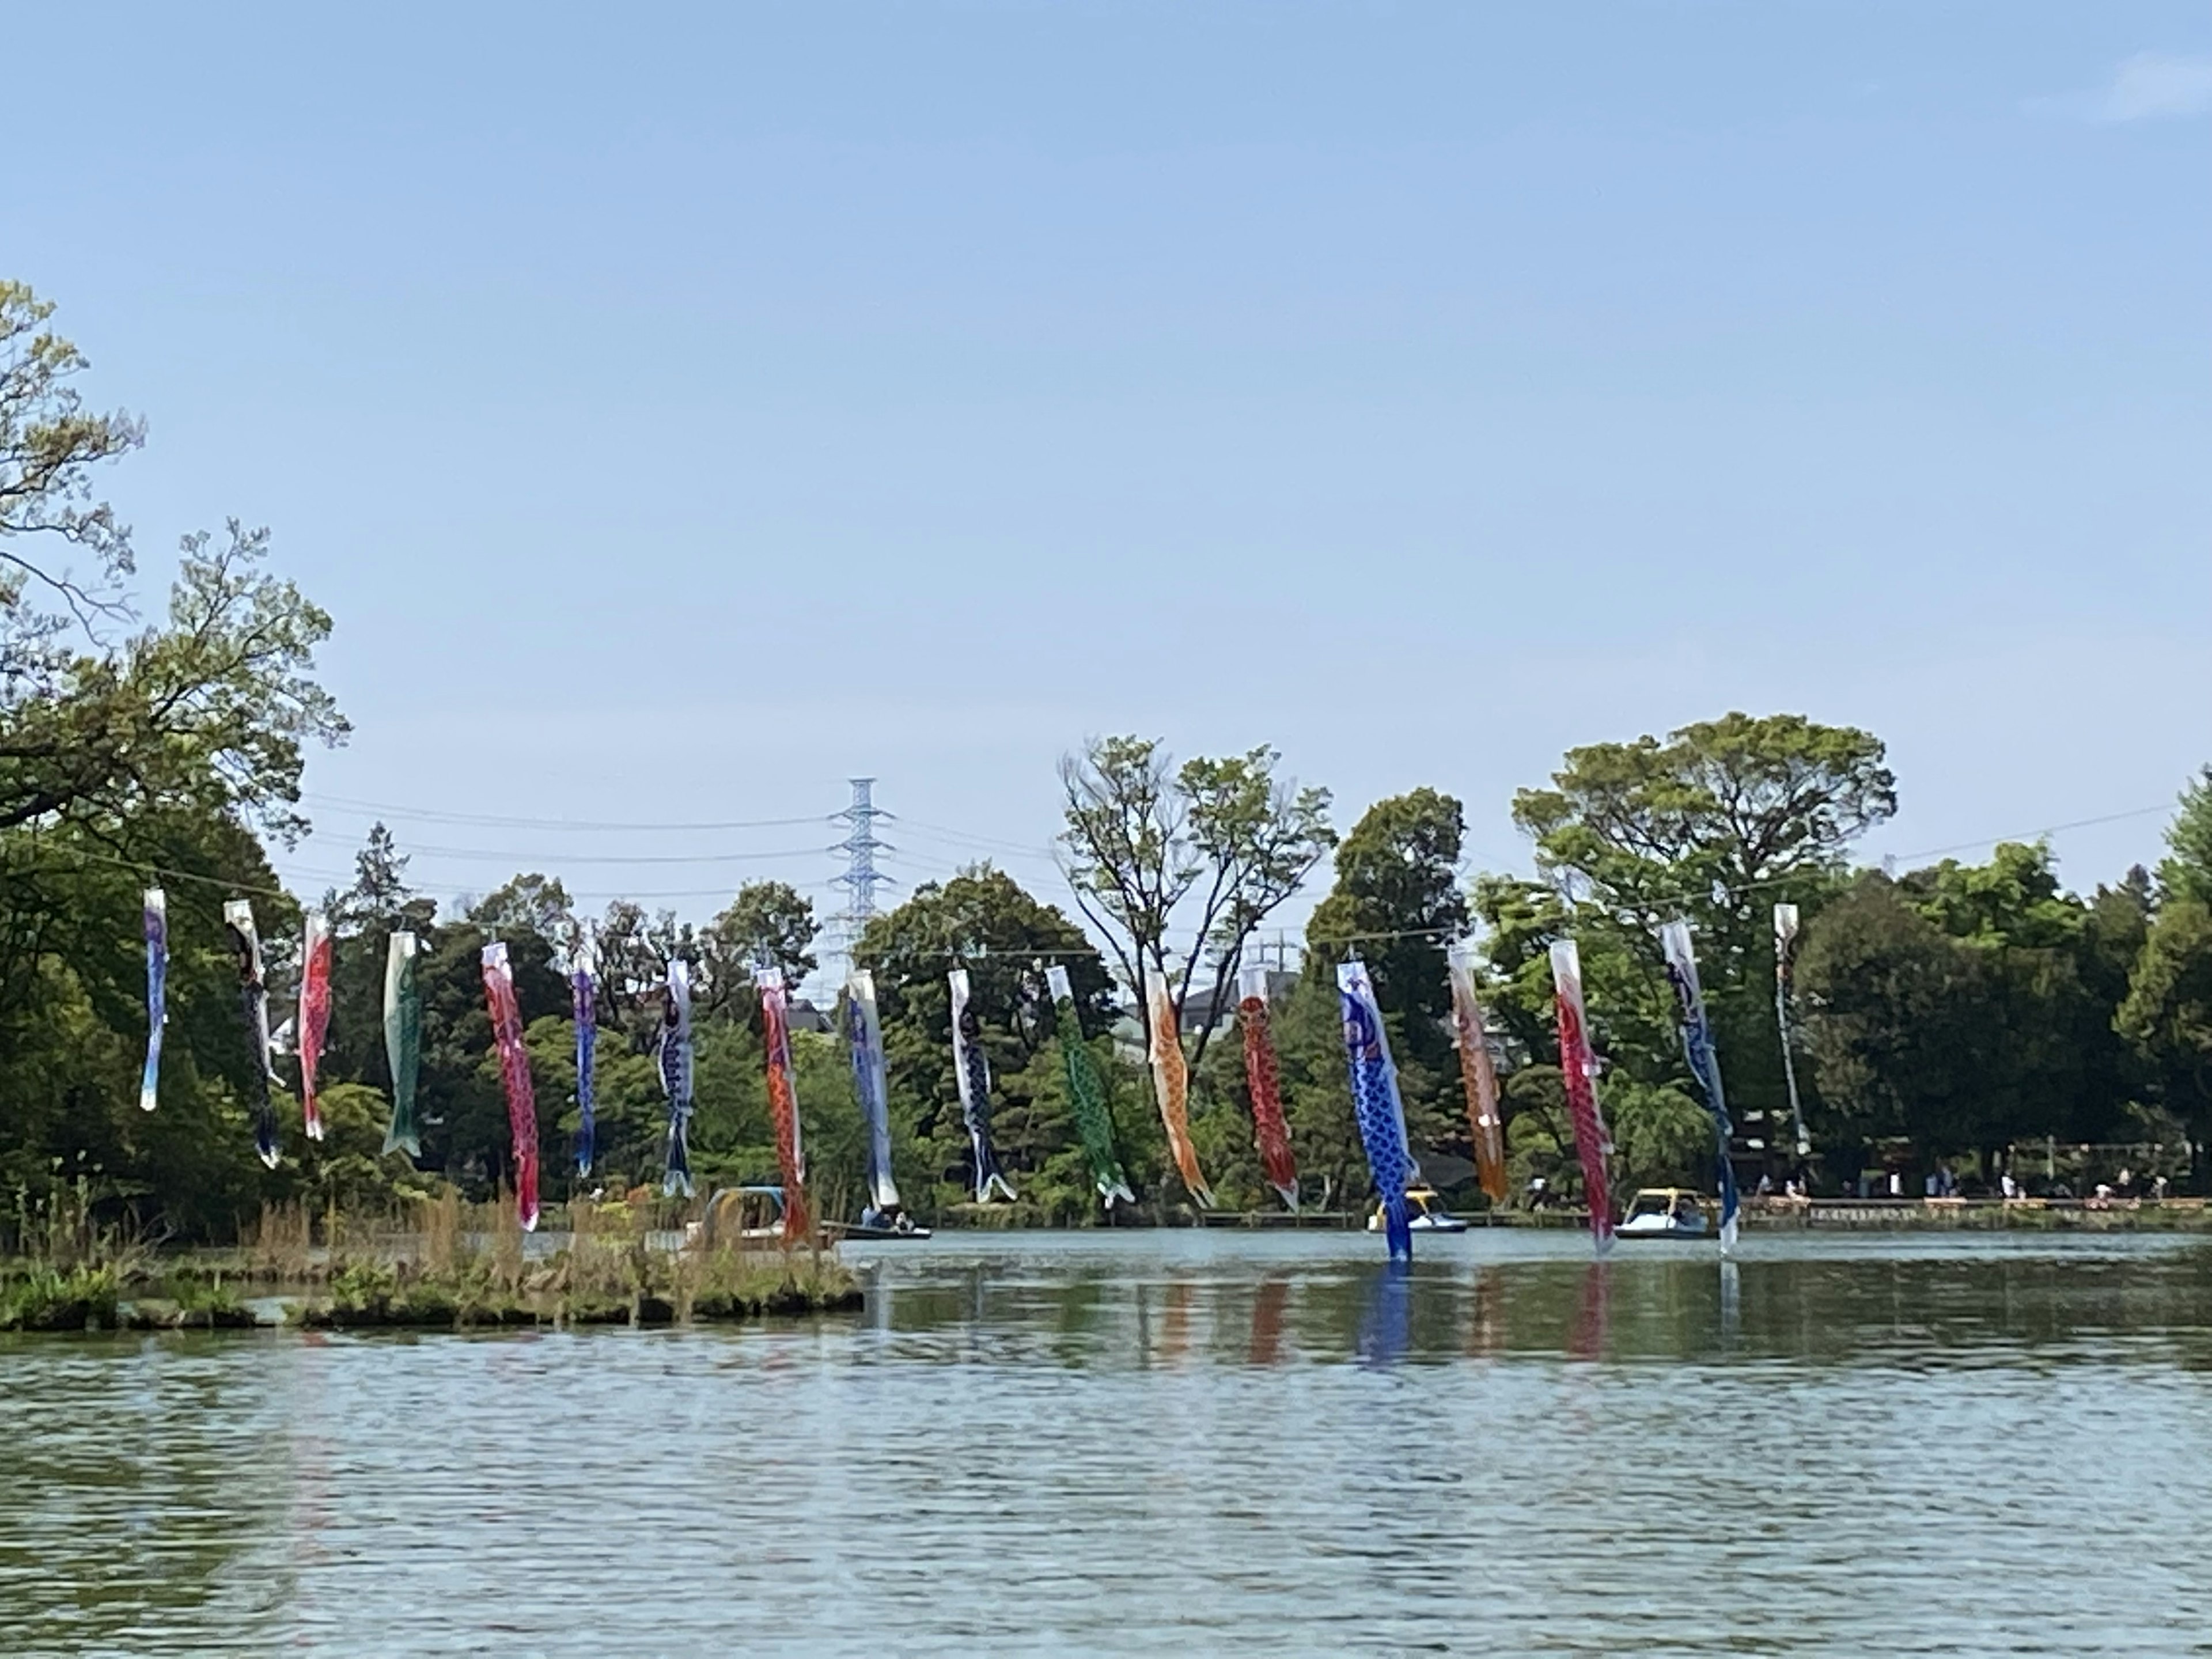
(514,1075)
(1265,1083)
(1478,1073)
(1578,1066)
(314,1013)
(783,1100)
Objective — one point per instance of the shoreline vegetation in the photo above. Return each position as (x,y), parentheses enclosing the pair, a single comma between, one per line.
(447,1266)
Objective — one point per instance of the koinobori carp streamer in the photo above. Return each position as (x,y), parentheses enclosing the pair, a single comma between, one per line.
(864,1042)
(783,1099)
(1704,1061)
(583,1005)
(1171,1082)
(1271,1131)
(674,1059)
(514,1079)
(1086,1093)
(403,1041)
(1477,1072)
(253,997)
(1376,1103)
(157,993)
(971,1072)
(314,1016)
(1578,1070)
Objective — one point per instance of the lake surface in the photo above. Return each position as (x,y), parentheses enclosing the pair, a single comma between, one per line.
(1203,1441)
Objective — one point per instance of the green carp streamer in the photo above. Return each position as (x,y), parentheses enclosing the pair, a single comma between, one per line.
(402,1042)
(1087,1095)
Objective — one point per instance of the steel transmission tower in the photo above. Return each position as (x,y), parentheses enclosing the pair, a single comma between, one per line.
(861,878)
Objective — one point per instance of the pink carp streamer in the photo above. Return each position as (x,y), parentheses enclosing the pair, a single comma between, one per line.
(514,1075)
(1478,1073)
(1263,1079)
(314,1013)
(1171,1081)
(1578,1068)
(783,1099)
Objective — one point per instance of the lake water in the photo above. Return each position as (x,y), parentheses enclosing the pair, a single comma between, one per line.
(1205,1443)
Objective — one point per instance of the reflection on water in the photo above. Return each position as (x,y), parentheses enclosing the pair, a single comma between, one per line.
(1126,1441)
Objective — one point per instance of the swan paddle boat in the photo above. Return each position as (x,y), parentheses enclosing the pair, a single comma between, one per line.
(1425,1213)
(1669,1212)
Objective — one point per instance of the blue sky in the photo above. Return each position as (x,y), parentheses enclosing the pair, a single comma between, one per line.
(681,410)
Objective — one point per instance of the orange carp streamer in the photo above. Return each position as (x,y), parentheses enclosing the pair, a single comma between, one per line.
(1171,1082)
(1477,1072)
(1264,1081)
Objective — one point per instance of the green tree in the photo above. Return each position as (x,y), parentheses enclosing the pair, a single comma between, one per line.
(1144,837)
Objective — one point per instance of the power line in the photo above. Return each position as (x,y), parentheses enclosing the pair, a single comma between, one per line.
(498,821)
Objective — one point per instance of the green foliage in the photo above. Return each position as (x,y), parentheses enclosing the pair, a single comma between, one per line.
(2167,1013)
(1144,835)
(2187,871)
(1966,1006)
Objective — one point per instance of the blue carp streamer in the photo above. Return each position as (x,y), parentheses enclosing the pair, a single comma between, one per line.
(1704,1061)
(583,1002)
(864,1038)
(676,1078)
(1375,1102)
(157,993)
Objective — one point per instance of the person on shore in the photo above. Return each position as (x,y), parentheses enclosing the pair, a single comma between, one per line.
(2007,1186)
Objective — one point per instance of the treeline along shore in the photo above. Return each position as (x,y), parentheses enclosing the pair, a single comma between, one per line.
(1976,1022)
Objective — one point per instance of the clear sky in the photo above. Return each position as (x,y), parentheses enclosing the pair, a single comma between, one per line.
(683,409)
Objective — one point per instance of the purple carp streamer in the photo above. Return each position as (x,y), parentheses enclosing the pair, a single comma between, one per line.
(1171,1082)
(1377,1104)
(157,993)
(971,1070)
(514,1078)
(864,1039)
(253,997)
(1704,1061)
(675,1057)
(783,1100)
(314,1018)
(1477,1072)
(1578,1073)
(1263,1080)
(584,1005)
